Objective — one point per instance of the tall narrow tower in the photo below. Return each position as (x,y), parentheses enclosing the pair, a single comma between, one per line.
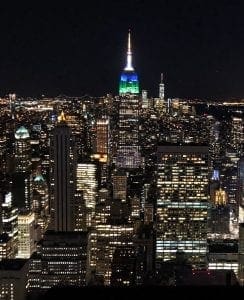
(128,151)
(63,167)
(129,81)
(161,88)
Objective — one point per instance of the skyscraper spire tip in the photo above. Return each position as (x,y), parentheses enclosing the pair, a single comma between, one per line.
(129,55)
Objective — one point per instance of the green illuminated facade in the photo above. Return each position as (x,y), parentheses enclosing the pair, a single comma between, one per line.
(128,83)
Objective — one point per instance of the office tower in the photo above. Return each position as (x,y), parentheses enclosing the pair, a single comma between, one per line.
(6,247)
(144,245)
(60,260)
(214,137)
(237,135)
(135,207)
(241,254)
(182,204)
(21,178)
(63,166)
(128,150)
(75,123)
(13,279)
(86,189)
(128,80)
(223,255)
(104,240)
(111,228)
(102,148)
(144,97)
(102,138)
(40,202)
(12,100)
(240,192)
(3,152)
(229,178)
(22,150)
(148,213)
(119,182)
(10,220)
(26,234)
(123,267)
(219,221)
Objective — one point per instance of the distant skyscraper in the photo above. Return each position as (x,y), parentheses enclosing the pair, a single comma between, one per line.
(102,137)
(22,150)
(6,247)
(3,151)
(237,134)
(62,177)
(182,203)
(86,191)
(26,234)
(129,80)
(145,101)
(9,220)
(119,182)
(161,88)
(128,152)
(40,202)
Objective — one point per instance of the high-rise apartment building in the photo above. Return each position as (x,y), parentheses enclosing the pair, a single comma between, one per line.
(182,204)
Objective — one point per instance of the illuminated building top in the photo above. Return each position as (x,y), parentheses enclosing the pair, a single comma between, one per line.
(39,178)
(62,118)
(129,80)
(22,133)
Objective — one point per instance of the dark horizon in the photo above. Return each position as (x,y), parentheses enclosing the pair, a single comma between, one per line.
(75,50)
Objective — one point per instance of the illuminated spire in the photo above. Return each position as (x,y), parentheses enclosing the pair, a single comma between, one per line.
(129,56)
(62,118)
(162,77)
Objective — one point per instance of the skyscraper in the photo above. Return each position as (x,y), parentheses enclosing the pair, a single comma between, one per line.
(128,150)
(60,259)
(86,190)
(102,137)
(22,149)
(62,176)
(26,234)
(161,88)
(182,203)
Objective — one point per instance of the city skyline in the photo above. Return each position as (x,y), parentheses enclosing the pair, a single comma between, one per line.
(77,50)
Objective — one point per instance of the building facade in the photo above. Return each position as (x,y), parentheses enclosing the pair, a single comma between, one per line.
(182,203)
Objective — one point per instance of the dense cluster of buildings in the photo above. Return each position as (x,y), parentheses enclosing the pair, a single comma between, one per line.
(121,190)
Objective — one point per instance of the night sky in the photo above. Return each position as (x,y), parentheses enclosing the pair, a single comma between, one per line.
(77,49)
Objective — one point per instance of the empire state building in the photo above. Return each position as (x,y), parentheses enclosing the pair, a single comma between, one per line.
(128,150)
